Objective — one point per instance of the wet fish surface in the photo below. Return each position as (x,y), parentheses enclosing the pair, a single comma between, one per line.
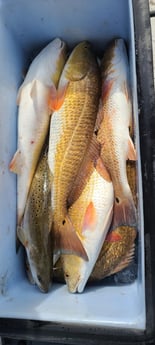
(71,131)
(34,116)
(35,231)
(91,216)
(113,134)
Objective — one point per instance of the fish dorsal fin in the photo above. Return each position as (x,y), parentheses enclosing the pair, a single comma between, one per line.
(66,241)
(90,218)
(21,236)
(126,261)
(36,91)
(17,163)
(131,150)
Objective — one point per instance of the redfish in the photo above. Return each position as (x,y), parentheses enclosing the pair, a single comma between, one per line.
(118,249)
(91,216)
(113,133)
(34,116)
(71,131)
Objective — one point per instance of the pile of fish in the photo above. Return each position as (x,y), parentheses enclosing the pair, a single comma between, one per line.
(75,165)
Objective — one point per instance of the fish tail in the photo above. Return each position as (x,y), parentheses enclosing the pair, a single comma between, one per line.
(126,261)
(66,240)
(124,212)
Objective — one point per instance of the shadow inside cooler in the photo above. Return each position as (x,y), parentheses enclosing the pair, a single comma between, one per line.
(25,28)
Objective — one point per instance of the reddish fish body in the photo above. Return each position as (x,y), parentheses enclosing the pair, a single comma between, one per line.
(113,134)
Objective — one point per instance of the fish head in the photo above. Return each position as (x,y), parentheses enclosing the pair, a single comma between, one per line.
(79,62)
(41,264)
(72,268)
(59,49)
(115,60)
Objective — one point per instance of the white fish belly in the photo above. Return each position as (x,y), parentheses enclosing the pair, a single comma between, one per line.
(102,199)
(32,131)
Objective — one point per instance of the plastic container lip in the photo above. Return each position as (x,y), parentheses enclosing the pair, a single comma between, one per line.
(124,306)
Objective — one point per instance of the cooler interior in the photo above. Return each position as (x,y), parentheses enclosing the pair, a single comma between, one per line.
(25,28)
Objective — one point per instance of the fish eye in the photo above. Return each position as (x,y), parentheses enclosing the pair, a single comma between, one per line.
(66,275)
(96,132)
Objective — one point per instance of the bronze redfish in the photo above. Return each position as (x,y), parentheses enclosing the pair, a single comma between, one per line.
(34,116)
(70,134)
(119,247)
(113,134)
(91,216)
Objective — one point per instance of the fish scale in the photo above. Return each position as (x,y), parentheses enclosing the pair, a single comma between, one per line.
(113,252)
(113,135)
(73,129)
(99,193)
(111,155)
(34,116)
(35,232)
(70,134)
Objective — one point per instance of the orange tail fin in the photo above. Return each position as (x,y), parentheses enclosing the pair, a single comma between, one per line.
(67,241)
(124,213)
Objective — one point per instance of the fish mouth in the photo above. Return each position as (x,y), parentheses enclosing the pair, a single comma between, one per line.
(62,45)
(78,285)
(44,289)
(59,44)
(81,286)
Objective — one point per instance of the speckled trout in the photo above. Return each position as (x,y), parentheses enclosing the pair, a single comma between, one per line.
(113,134)
(35,231)
(34,115)
(71,130)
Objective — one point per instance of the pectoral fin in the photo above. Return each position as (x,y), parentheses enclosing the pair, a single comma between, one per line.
(21,236)
(17,163)
(131,150)
(90,218)
(113,236)
(67,241)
